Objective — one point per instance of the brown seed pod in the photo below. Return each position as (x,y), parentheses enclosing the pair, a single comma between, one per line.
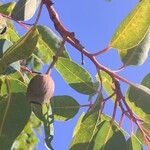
(40,89)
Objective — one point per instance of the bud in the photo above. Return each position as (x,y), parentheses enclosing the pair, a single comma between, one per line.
(40,89)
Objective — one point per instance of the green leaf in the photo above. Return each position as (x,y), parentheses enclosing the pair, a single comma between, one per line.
(133,28)
(48,44)
(16,86)
(27,139)
(138,99)
(146,128)
(77,77)
(64,107)
(2,25)
(107,83)
(116,142)
(24,9)
(133,143)
(7,8)
(10,33)
(85,133)
(20,50)
(146,81)
(138,54)
(4,45)
(44,113)
(103,135)
(78,125)
(14,114)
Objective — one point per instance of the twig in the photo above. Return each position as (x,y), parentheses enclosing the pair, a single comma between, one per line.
(55,58)
(101,52)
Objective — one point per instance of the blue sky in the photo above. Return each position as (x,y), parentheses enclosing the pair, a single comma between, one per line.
(94,23)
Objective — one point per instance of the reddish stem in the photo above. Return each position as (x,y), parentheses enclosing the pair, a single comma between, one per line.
(101,52)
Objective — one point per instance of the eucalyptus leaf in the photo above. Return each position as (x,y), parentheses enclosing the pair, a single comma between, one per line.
(138,98)
(138,54)
(44,113)
(64,107)
(24,9)
(133,143)
(116,142)
(14,114)
(107,83)
(103,135)
(77,77)
(7,8)
(28,139)
(22,49)
(146,128)
(133,28)
(83,137)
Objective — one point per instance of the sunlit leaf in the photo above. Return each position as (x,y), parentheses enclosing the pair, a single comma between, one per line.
(103,135)
(77,77)
(107,83)
(24,9)
(138,54)
(85,133)
(64,107)
(20,50)
(133,28)
(133,143)
(7,8)
(146,128)
(78,125)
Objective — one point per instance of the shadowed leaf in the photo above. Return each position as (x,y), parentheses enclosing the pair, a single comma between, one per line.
(64,107)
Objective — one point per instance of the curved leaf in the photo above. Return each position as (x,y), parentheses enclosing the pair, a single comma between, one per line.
(78,78)
(44,113)
(20,50)
(24,9)
(146,128)
(103,135)
(133,28)
(138,98)
(116,142)
(16,86)
(138,54)
(14,114)
(64,107)
(7,8)
(133,143)
(107,83)
(48,44)
(85,133)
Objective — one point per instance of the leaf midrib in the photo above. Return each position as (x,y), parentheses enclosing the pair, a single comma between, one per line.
(128,23)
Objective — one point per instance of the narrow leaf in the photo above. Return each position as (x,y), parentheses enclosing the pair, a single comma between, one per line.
(78,78)
(103,135)
(64,107)
(133,143)
(107,83)
(84,135)
(133,28)
(146,128)
(20,50)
